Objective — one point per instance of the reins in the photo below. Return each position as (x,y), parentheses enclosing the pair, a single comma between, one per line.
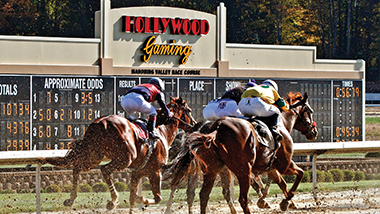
(309,126)
(182,121)
(150,150)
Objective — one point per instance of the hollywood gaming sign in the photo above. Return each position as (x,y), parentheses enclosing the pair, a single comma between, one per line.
(158,25)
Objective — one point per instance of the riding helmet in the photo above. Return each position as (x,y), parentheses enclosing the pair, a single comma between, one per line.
(157,82)
(271,83)
(252,83)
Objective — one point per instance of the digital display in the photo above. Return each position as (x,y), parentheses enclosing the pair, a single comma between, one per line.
(347,96)
(63,107)
(48,112)
(15,112)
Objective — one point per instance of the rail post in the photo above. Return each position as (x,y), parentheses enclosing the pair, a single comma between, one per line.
(38,188)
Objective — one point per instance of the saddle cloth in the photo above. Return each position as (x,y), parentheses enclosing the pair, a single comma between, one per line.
(140,129)
(264,135)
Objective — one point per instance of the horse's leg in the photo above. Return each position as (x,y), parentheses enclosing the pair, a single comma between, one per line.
(204,194)
(170,201)
(190,192)
(135,179)
(257,185)
(276,177)
(155,185)
(107,170)
(73,194)
(225,177)
(294,170)
(244,179)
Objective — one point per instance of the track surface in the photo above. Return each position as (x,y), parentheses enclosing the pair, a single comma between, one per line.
(351,201)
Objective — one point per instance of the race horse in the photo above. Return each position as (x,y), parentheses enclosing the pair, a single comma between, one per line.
(115,138)
(232,142)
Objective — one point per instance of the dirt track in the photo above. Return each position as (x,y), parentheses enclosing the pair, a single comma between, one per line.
(351,201)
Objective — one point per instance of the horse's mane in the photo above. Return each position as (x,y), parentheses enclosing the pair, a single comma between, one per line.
(293,96)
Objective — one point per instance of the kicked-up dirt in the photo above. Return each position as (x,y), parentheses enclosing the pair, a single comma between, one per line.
(350,201)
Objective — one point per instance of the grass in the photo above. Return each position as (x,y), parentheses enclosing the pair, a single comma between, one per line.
(372,120)
(16,203)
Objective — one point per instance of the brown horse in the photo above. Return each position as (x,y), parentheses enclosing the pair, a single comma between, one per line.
(233,143)
(300,118)
(116,139)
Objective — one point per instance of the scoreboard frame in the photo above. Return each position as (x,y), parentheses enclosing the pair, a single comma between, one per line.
(46,112)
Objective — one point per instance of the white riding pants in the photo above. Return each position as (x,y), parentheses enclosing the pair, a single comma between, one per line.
(134,103)
(255,106)
(216,109)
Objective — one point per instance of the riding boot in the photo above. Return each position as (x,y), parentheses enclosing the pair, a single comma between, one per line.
(273,126)
(151,128)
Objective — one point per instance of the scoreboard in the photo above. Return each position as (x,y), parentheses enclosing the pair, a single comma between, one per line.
(48,112)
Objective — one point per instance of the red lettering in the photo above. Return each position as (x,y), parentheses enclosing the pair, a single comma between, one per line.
(205,27)
(165,23)
(139,24)
(176,25)
(160,25)
(128,24)
(156,25)
(147,25)
(195,27)
(186,26)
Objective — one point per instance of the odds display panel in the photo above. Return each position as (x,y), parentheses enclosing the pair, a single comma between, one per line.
(63,107)
(48,112)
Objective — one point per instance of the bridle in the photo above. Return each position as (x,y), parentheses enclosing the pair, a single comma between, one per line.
(306,109)
(185,112)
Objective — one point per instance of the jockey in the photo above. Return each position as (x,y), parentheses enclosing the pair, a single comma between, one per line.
(261,101)
(139,98)
(227,104)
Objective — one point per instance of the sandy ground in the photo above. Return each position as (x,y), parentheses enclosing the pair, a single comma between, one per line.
(351,201)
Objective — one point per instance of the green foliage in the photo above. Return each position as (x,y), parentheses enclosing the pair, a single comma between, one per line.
(146,185)
(53,188)
(306,176)
(348,175)
(23,191)
(359,175)
(67,188)
(320,176)
(100,187)
(84,188)
(120,186)
(337,174)
(7,191)
(329,177)
(373,155)
(289,178)
(165,185)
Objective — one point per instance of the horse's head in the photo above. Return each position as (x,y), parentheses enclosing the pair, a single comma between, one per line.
(304,122)
(181,112)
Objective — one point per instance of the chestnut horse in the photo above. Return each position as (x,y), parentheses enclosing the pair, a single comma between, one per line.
(232,142)
(116,139)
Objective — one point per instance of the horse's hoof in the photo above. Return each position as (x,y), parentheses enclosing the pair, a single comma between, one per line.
(263,204)
(111,205)
(284,205)
(68,203)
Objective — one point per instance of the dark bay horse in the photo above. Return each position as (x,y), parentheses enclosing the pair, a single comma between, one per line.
(233,143)
(115,138)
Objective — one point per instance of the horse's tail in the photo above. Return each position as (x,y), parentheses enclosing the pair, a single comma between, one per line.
(82,153)
(180,168)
